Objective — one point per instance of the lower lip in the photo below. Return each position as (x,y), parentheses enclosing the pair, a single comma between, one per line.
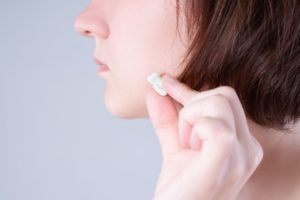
(102,69)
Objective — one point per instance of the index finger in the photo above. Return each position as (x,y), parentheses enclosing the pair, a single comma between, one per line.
(178,91)
(185,95)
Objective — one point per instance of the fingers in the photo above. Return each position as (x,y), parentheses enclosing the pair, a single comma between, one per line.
(236,107)
(164,117)
(183,94)
(218,147)
(218,140)
(178,91)
(213,121)
(185,129)
(177,128)
(215,134)
(215,106)
(255,151)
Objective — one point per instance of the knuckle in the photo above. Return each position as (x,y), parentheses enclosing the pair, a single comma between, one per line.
(255,158)
(258,153)
(183,114)
(223,127)
(228,141)
(218,102)
(219,98)
(226,135)
(258,156)
(218,129)
(228,91)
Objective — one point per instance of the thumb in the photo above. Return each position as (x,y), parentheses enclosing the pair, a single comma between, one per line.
(164,117)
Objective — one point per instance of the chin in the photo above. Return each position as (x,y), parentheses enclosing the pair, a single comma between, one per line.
(126,110)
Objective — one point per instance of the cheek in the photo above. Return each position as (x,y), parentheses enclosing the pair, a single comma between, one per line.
(130,65)
(142,35)
(135,50)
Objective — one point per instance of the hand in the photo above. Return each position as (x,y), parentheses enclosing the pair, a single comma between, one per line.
(207,149)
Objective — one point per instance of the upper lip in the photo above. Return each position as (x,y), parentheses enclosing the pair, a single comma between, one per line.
(98,61)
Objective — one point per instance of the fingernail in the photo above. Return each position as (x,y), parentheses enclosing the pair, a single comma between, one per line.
(169,79)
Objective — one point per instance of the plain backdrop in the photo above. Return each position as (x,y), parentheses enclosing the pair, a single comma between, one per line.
(57,140)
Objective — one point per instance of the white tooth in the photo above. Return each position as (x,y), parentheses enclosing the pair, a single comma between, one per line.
(159,90)
(155,80)
(152,78)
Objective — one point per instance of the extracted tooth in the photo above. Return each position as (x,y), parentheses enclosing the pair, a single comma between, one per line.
(159,90)
(155,80)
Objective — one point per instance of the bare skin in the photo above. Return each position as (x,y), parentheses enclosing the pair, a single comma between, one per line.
(140,37)
(187,169)
(278,175)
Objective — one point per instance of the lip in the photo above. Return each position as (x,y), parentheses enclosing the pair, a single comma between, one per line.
(102,66)
(98,61)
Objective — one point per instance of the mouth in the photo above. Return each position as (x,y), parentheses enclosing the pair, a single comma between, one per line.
(102,66)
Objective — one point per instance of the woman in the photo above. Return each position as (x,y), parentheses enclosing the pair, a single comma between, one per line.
(229,126)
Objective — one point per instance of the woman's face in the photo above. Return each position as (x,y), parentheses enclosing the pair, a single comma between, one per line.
(133,38)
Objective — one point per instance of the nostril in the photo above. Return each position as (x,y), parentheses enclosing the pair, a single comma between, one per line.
(80,27)
(86,32)
(83,31)
(91,25)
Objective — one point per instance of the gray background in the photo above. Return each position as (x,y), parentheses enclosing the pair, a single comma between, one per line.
(57,140)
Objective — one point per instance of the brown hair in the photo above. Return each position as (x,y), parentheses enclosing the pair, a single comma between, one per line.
(252,46)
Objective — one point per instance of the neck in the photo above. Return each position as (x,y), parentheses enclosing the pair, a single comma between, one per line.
(278,174)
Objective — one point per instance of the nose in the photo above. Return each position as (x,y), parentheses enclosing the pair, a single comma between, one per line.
(89,23)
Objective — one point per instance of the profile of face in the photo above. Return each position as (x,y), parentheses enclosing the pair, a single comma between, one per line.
(133,38)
